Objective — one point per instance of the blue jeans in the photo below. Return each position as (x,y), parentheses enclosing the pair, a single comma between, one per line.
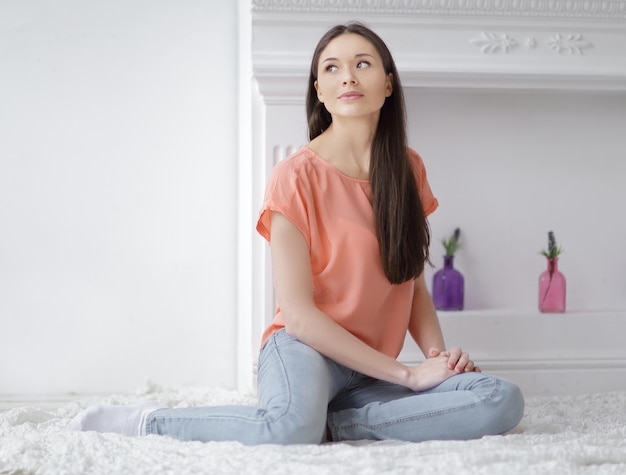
(306,398)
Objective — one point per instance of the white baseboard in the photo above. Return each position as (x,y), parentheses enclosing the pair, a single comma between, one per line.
(545,354)
(560,381)
(11,401)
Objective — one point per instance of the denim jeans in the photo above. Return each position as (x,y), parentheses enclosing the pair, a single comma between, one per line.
(306,398)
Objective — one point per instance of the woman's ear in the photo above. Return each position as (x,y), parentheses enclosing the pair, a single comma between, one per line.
(319,94)
(389,85)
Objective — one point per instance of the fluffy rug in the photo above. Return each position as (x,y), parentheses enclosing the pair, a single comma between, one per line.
(581,434)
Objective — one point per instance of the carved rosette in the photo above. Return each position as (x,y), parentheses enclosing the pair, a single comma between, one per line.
(494,43)
(572,44)
(568,44)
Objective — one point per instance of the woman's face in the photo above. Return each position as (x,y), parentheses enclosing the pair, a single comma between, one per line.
(351,78)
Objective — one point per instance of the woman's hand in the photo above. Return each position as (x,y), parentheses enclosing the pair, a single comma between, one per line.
(439,366)
(429,373)
(457,360)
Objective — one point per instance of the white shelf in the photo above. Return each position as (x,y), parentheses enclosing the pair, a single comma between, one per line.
(530,313)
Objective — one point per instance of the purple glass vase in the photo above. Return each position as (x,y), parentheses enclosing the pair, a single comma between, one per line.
(448,286)
(552,288)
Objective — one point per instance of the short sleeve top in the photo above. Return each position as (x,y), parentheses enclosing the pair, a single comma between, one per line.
(334,214)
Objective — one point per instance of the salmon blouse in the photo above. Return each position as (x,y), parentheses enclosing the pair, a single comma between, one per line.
(334,214)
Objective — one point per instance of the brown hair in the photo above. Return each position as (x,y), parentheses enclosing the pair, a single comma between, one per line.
(401,225)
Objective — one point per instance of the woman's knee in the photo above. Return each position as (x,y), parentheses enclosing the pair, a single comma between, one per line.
(502,400)
(510,403)
(299,431)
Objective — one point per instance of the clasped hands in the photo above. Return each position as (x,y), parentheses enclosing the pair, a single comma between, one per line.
(439,366)
(457,359)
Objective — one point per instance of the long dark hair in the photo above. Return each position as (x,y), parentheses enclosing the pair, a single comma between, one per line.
(401,225)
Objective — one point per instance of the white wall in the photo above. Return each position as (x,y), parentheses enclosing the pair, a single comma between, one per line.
(118,190)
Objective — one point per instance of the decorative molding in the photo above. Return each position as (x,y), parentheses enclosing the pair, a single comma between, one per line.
(568,44)
(530,43)
(490,43)
(583,9)
(578,44)
(493,43)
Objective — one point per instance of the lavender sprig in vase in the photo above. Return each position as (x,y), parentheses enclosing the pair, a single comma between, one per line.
(551,281)
(448,283)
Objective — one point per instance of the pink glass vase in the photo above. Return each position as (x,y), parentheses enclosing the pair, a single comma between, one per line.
(448,286)
(552,288)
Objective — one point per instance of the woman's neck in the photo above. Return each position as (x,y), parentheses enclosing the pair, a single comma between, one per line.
(347,147)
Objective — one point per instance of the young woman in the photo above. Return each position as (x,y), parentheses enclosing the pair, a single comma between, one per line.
(345,217)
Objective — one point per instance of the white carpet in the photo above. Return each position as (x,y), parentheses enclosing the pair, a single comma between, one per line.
(558,435)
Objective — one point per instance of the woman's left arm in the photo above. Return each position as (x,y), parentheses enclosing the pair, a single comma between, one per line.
(424,324)
(425,329)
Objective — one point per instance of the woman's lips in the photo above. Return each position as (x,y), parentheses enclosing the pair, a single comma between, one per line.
(350,96)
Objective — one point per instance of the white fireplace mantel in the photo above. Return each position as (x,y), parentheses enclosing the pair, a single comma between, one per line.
(510,44)
(467,48)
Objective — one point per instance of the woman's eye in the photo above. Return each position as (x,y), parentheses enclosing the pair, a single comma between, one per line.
(331,67)
(362,64)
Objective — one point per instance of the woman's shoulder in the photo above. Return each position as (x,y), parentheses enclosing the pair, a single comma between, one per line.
(296,159)
(417,163)
(415,157)
(429,201)
(297,165)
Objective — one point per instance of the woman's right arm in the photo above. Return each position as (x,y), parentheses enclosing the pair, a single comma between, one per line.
(293,283)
